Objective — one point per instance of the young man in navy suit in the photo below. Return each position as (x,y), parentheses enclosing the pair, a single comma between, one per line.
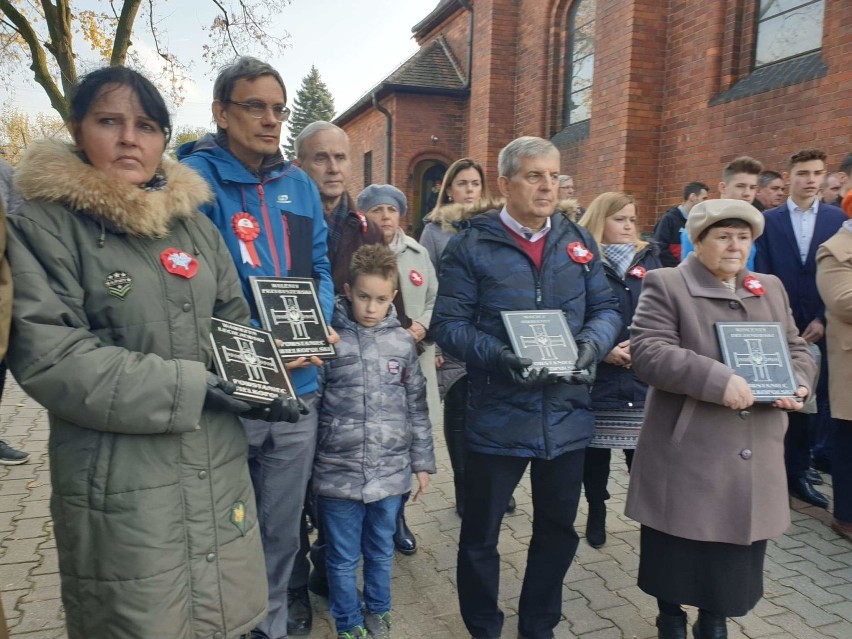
(794,230)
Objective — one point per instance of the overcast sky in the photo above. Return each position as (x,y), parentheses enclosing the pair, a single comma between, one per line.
(353,43)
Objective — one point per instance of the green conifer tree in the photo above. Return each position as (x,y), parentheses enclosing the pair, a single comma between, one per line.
(313,102)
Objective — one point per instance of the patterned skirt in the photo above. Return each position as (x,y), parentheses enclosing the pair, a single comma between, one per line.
(617,428)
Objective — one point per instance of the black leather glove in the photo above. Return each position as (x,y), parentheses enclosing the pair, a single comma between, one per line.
(220,396)
(517,369)
(282,409)
(586,364)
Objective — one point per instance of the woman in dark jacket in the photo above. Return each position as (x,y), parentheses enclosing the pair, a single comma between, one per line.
(618,396)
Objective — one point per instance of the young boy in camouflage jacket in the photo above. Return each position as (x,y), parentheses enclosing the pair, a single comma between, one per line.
(374,432)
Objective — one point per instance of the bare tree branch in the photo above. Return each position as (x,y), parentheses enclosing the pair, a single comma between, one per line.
(227,25)
(123,31)
(39,67)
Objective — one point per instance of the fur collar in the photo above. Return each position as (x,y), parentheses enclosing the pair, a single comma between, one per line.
(51,171)
(450,216)
(569,207)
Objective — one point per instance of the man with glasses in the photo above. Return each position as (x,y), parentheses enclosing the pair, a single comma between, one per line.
(269,213)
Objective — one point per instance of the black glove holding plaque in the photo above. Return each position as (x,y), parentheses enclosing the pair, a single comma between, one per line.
(586,365)
(282,409)
(220,396)
(517,369)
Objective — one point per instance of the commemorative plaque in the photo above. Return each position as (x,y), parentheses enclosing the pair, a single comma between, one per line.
(247,356)
(289,309)
(543,337)
(757,351)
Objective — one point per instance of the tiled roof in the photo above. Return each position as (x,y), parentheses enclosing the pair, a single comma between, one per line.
(431,70)
(432,67)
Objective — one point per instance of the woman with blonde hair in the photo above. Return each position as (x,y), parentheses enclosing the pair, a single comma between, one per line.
(618,396)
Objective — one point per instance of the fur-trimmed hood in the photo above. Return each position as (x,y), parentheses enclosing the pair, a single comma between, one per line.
(451,217)
(52,171)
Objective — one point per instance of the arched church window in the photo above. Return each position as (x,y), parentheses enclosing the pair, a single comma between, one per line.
(787,28)
(580,61)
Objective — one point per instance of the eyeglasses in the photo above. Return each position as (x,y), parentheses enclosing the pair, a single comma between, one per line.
(259,109)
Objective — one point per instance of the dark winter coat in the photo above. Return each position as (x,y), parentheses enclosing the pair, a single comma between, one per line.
(152,503)
(374,428)
(615,386)
(484,271)
(667,235)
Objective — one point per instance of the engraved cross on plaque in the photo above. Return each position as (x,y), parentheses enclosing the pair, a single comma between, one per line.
(543,341)
(758,360)
(294,317)
(248,357)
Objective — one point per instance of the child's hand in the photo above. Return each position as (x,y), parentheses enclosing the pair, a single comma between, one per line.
(423,480)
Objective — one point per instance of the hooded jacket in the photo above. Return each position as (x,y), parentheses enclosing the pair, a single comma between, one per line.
(284,207)
(152,503)
(374,428)
(484,271)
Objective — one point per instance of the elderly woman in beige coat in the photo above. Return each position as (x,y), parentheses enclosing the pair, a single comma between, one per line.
(386,205)
(708,482)
(834,280)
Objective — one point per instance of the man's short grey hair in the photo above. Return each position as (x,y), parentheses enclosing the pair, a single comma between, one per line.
(509,160)
(243,68)
(564,178)
(766,177)
(310,131)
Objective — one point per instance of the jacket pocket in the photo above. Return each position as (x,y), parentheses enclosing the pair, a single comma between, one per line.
(687,412)
(99,470)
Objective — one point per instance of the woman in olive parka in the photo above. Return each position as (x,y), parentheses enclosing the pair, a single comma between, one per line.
(117,277)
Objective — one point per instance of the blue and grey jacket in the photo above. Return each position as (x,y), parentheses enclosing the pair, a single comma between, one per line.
(484,271)
(374,428)
(293,235)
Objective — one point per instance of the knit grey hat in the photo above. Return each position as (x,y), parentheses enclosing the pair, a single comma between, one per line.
(709,212)
(376,194)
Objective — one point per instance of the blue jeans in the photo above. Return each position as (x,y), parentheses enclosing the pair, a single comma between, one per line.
(352,528)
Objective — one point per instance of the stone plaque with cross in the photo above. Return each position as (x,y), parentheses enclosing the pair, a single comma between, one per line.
(544,337)
(289,308)
(757,351)
(247,356)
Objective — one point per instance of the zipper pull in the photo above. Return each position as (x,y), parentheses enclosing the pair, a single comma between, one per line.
(538,293)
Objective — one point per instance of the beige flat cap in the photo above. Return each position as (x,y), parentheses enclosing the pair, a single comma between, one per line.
(709,212)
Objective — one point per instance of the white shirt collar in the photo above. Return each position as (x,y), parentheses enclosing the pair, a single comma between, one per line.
(521,230)
(794,208)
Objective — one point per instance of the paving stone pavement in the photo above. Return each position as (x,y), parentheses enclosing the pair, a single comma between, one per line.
(808,571)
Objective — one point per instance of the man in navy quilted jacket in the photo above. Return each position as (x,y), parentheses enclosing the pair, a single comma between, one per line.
(520,258)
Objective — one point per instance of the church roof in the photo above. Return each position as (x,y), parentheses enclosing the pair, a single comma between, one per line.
(440,13)
(432,70)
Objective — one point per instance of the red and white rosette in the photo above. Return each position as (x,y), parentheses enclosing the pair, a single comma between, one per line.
(247,229)
(753,285)
(579,253)
(415,278)
(363,219)
(638,272)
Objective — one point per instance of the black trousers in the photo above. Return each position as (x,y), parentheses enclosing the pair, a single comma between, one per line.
(803,429)
(596,473)
(841,470)
(489,482)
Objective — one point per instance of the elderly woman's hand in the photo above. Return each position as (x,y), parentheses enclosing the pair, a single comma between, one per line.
(793,403)
(619,355)
(738,395)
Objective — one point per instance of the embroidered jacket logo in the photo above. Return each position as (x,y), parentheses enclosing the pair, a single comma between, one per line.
(283,199)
